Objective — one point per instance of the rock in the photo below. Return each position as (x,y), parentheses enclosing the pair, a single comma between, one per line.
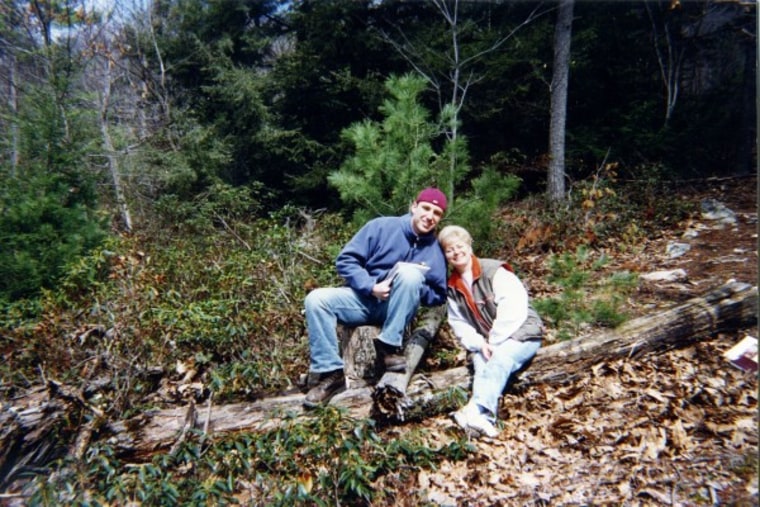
(675,249)
(673,275)
(715,210)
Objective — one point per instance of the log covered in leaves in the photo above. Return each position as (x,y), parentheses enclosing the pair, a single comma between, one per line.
(730,307)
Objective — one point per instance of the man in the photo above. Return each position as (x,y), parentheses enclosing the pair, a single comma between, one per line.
(371,296)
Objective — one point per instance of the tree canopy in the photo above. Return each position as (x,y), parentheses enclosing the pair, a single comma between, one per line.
(284,96)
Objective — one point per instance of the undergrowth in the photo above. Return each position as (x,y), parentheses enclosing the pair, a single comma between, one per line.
(328,459)
(213,301)
(226,306)
(584,299)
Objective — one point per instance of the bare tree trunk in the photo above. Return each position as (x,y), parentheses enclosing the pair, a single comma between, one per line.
(670,64)
(113,162)
(561,72)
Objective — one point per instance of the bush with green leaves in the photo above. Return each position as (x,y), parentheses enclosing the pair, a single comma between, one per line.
(476,210)
(328,459)
(41,236)
(395,158)
(583,299)
(221,291)
(392,159)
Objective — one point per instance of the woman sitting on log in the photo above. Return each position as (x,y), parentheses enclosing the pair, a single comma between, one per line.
(490,314)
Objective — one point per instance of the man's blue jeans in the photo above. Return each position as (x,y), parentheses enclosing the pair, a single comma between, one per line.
(491,376)
(328,306)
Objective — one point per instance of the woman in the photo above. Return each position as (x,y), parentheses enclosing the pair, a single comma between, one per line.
(490,314)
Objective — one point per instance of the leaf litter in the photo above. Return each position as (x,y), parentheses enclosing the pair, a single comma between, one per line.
(673,428)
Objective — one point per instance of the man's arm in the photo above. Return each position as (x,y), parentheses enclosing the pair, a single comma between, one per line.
(352,261)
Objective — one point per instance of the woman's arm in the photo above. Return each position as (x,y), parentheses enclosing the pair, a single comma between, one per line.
(466,334)
(511,300)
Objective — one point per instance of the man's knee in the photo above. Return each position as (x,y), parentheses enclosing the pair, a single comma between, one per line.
(315,299)
(409,276)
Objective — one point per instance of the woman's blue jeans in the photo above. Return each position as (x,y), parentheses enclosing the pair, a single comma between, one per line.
(491,376)
(326,307)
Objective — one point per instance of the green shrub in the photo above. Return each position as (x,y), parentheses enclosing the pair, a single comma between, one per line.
(41,233)
(327,459)
(476,210)
(583,298)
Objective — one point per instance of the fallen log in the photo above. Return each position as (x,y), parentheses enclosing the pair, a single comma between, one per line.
(390,392)
(730,307)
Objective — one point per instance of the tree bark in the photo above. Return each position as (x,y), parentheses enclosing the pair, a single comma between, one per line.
(558,113)
(113,163)
(730,307)
(389,397)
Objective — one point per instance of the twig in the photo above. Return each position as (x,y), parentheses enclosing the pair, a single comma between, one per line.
(208,415)
(596,180)
(190,418)
(229,229)
(313,259)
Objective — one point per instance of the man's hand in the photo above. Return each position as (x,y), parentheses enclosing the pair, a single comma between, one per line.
(382,290)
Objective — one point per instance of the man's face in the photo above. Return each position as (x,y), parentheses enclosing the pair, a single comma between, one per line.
(425,217)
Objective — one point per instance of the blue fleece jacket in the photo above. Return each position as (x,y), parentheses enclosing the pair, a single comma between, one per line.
(380,244)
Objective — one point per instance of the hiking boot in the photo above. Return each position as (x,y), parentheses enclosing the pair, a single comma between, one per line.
(392,358)
(330,384)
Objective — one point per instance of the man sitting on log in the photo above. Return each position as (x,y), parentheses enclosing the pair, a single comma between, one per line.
(391,267)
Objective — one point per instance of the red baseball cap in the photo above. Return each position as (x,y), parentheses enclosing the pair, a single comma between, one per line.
(433,196)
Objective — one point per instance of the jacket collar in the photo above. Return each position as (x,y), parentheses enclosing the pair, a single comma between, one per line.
(458,284)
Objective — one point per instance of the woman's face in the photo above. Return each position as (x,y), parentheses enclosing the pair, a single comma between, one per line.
(458,254)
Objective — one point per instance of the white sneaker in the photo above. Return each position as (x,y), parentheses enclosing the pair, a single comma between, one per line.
(462,416)
(480,423)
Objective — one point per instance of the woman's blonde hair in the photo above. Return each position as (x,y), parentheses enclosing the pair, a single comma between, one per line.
(453,233)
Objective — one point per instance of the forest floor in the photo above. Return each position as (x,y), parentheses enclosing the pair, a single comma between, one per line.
(676,428)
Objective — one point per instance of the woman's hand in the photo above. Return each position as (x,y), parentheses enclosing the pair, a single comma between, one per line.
(487,350)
